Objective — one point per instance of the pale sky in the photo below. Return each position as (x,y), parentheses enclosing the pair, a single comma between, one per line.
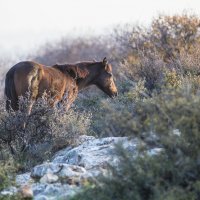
(27,24)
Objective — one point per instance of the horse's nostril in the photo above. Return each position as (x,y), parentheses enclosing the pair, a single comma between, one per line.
(115,94)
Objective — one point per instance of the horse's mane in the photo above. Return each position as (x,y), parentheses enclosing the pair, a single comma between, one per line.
(74,70)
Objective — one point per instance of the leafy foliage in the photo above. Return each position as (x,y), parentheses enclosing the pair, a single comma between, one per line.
(6,169)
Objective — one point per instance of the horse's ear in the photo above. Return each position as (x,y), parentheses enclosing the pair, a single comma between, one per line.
(105,62)
(75,72)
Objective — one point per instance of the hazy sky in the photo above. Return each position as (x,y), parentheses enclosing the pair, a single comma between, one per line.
(26,24)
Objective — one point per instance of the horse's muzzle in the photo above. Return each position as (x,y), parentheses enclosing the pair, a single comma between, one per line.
(114,95)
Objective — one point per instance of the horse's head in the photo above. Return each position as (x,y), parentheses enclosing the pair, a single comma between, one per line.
(105,80)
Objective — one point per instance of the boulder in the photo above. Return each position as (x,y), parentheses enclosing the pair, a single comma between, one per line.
(49,178)
(72,167)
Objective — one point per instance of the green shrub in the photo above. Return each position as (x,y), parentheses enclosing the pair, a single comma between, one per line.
(8,169)
(106,112)
(13,197)
(174,117)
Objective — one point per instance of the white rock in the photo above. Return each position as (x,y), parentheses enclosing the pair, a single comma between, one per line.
(49,178)
(176,132)
(53,191)
(23,179)
(9,191)
(154,151)
(40,170)
(63,176)
(95,154)
(61,170)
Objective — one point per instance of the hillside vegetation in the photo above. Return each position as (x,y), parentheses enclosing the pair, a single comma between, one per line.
(157,72)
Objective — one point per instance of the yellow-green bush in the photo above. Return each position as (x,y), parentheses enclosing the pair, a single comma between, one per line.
(8,169)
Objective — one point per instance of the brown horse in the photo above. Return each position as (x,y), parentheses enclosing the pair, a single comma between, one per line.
(62,82)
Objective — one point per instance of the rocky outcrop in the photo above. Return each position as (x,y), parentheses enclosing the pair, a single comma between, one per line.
(71,168)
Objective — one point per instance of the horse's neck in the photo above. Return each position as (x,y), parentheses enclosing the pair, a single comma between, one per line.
(83,83)
(89,80)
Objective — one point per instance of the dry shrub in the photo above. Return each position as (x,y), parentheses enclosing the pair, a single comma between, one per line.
(167,35)
(69,50)
(149,68)
(173,34)
(188,62)
(161,54)
(158,74)
(33,138)
(184,70)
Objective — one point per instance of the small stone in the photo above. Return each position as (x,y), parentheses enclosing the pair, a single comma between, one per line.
(26,192)
(23,179)
(9,191)
(49,178)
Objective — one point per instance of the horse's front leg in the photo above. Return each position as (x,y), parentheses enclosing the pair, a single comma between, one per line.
(69,98)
